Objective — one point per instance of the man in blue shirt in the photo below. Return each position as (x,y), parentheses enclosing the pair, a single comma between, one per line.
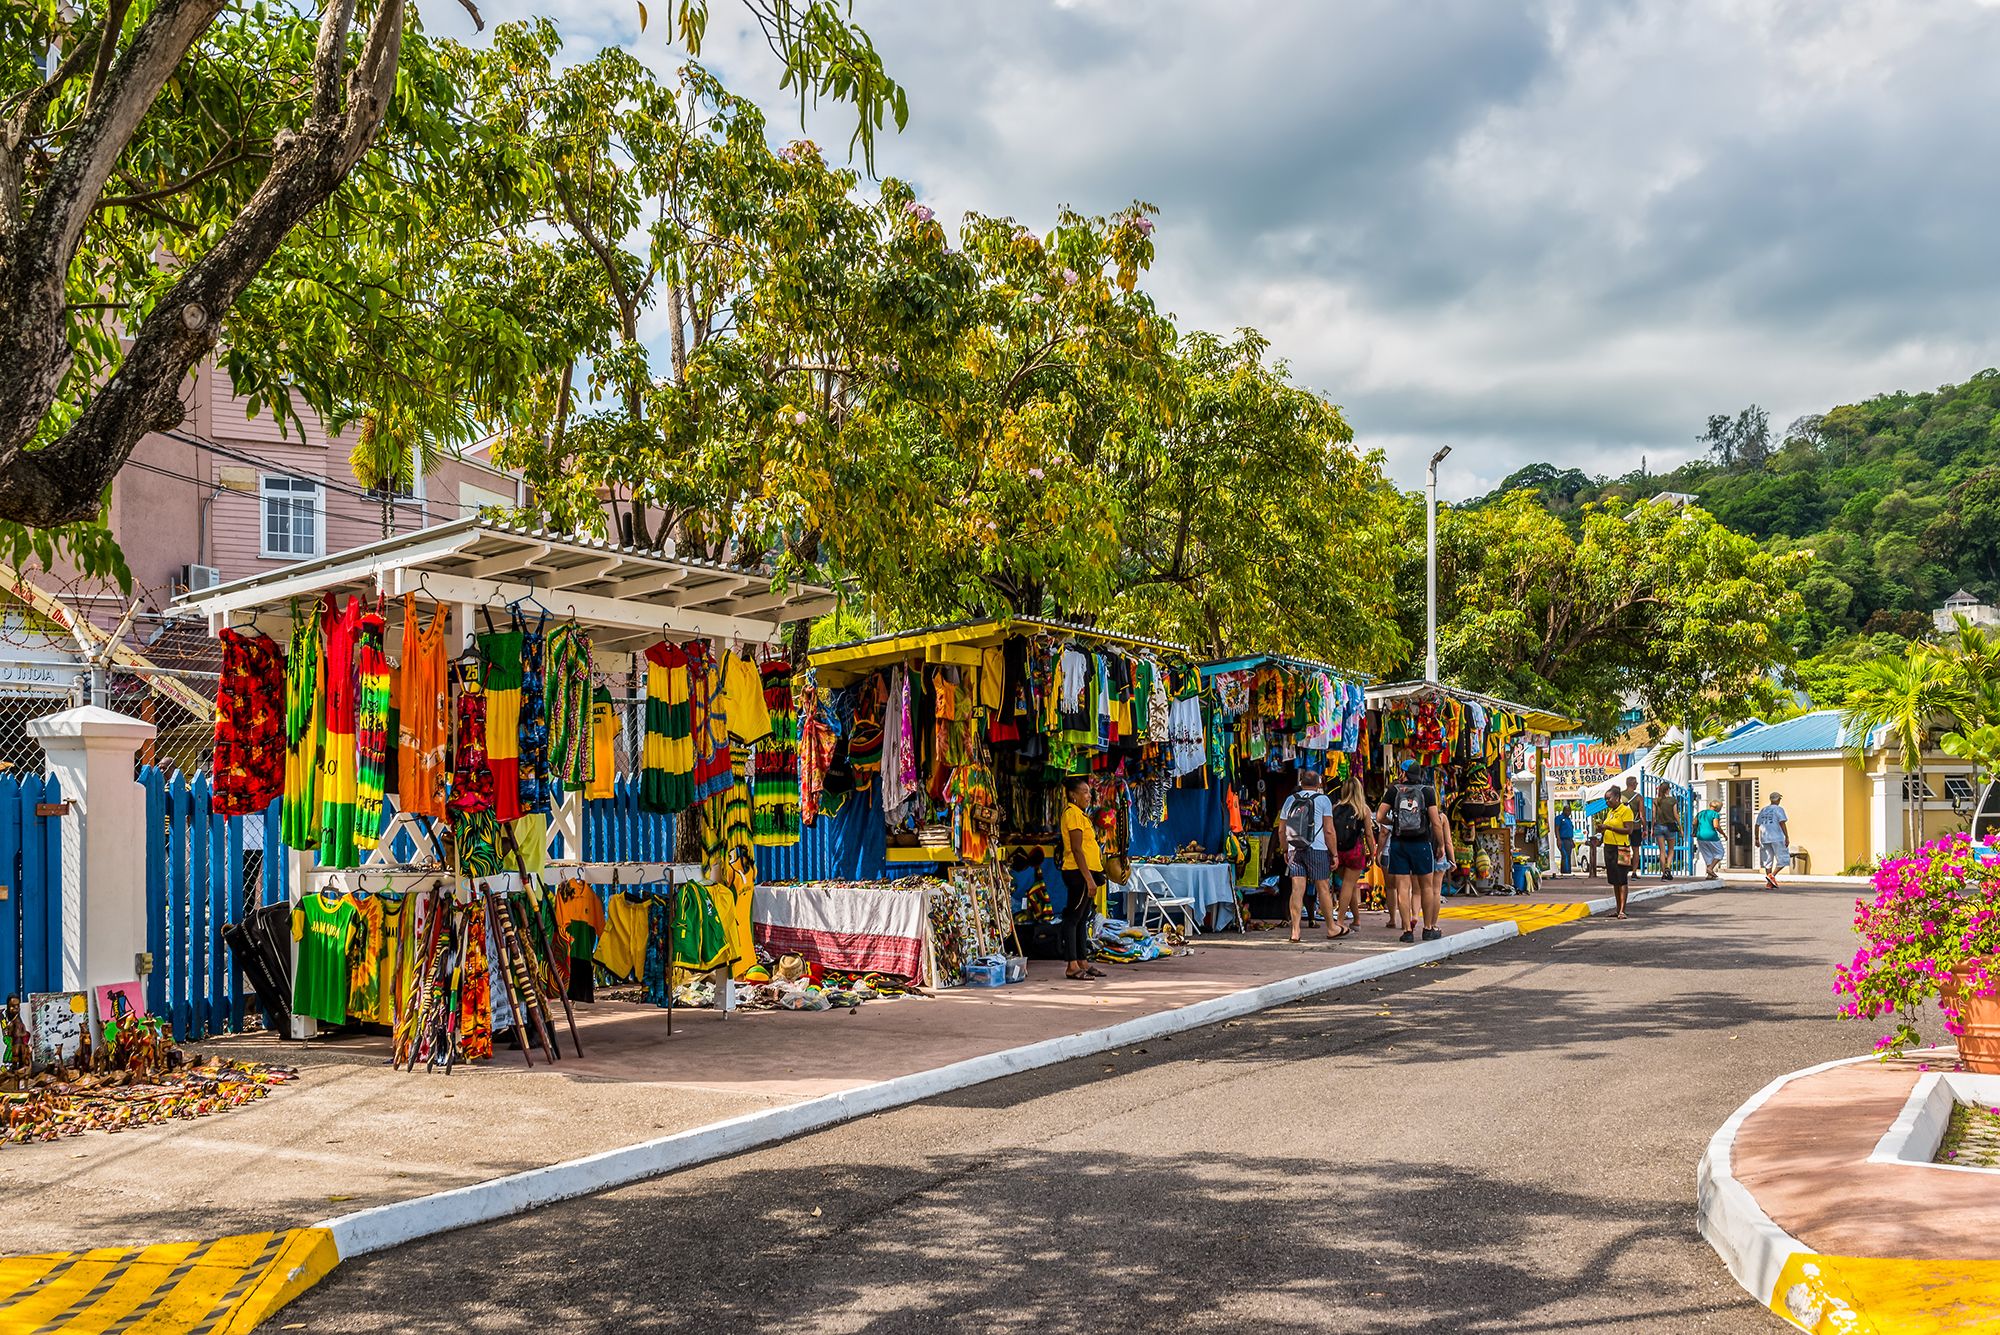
(1565,836)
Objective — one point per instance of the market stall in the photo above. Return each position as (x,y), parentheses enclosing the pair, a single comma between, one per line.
(948,747)
(1471,746)
(1278,715)
(433,711)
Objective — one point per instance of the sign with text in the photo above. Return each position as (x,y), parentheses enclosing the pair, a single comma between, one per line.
(1579,762)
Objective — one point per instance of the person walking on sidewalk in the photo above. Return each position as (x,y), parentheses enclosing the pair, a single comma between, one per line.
(1565,836)
(1620,824)
(1354,833)
(1774,841)
(1083,874)
(1666,828)
(1416,829)
(1307,821)
(1708,839)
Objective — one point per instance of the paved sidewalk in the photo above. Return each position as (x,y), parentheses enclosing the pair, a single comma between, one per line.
(351,1133)
(1821,1197)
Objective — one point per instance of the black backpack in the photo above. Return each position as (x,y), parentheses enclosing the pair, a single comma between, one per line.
(1302,817)
(1346,827)
(1408,816)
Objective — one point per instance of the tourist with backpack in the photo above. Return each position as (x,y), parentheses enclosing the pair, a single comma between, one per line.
(1354,835)
(1416,832)
(1307,821)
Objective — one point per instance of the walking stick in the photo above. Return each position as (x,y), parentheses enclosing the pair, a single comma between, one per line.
(525,1019)
(521,862)
(533,1012)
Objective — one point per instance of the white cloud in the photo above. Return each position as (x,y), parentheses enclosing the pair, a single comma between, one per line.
(1559,230)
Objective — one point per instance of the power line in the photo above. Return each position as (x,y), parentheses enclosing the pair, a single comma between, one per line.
(319,507)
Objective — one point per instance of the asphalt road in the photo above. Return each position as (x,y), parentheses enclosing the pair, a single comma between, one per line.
(1505,1142)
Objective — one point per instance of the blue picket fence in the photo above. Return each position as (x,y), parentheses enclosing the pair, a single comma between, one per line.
(616,830)
(196,868)
(31,910)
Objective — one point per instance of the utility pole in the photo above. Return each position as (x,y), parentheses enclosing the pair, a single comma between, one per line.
(1431,567)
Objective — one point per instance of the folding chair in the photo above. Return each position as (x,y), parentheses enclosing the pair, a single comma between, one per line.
(1158,897)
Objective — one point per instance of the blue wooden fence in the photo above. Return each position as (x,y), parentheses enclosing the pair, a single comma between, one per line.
(195,869)
(31,912)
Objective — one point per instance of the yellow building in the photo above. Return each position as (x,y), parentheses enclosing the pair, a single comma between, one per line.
(1844,809)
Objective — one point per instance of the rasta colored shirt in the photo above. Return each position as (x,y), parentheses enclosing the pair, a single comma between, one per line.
(322,927)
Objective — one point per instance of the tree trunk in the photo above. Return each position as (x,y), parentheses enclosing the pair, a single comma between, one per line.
(64,482)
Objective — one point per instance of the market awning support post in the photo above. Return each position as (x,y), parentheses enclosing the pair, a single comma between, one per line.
(1431,566)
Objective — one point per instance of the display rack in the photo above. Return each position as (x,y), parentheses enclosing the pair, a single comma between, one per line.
(627,598)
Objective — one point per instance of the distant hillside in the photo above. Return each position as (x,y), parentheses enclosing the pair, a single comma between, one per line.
(1899,496)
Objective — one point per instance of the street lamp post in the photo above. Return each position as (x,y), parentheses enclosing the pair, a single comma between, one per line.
(1431,567)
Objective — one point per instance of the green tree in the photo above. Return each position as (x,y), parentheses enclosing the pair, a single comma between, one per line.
(1658,602)
(153,168)
(1250,522)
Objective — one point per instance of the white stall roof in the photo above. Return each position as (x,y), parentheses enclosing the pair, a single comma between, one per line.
(629,596)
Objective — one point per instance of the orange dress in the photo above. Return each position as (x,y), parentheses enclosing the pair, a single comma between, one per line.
(421,705)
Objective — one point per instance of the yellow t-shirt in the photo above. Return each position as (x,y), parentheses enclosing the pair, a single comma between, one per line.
(604,727)
(743,700)
(1075,817)
(1618,815)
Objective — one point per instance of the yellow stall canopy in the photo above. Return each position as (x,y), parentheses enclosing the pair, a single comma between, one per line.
(958,644)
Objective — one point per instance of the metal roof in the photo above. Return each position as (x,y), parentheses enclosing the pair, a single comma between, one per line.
(1820,730)
(631,595)
(1541,720)
(841,663)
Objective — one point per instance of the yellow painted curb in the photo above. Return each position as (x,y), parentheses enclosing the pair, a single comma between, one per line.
(223,1287)
(1529,917)
(1868,1295)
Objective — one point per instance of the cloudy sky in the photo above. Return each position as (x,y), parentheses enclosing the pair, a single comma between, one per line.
(1560,231)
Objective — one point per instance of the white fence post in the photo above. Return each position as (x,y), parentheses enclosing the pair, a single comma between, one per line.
(90,751)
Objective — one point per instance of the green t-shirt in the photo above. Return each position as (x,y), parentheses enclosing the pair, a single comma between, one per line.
(1704,825)
(322,926)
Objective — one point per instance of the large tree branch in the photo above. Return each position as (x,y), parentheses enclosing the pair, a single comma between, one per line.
(63,482)
(35,254)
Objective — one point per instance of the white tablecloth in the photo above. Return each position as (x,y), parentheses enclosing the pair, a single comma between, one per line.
(1211,885)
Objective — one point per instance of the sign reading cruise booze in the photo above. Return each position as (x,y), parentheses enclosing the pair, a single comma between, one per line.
(1579,763)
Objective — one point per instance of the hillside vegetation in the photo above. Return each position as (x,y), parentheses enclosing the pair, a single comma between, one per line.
(1898,497)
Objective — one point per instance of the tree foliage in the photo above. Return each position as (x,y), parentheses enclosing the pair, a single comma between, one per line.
(1656,601)
(154,166)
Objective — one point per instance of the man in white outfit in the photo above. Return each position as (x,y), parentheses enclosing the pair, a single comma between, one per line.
(1774,841)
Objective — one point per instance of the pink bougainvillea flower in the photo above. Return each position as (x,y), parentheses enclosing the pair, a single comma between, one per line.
(1035,473)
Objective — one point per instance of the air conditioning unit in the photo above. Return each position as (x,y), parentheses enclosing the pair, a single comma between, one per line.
(198,578)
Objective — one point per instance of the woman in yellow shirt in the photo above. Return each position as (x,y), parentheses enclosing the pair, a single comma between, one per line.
(1083,873)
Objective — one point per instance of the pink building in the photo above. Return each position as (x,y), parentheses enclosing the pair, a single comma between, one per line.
(227,495)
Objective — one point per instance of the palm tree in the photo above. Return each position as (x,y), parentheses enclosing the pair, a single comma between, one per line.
(1974,659)
(1904,698)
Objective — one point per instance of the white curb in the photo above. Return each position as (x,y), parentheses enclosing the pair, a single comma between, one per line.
(399,1222)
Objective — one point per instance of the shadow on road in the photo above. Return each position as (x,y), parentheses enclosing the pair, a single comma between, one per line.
(1039,1240)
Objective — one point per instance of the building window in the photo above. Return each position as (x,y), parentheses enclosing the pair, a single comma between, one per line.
(1914,787)
(291,516)
(1959,790)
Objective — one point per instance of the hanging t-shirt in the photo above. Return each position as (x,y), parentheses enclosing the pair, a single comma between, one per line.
(621,948)
(604,727)
(364,959)
(579,920)
(322,926)
(743,699)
